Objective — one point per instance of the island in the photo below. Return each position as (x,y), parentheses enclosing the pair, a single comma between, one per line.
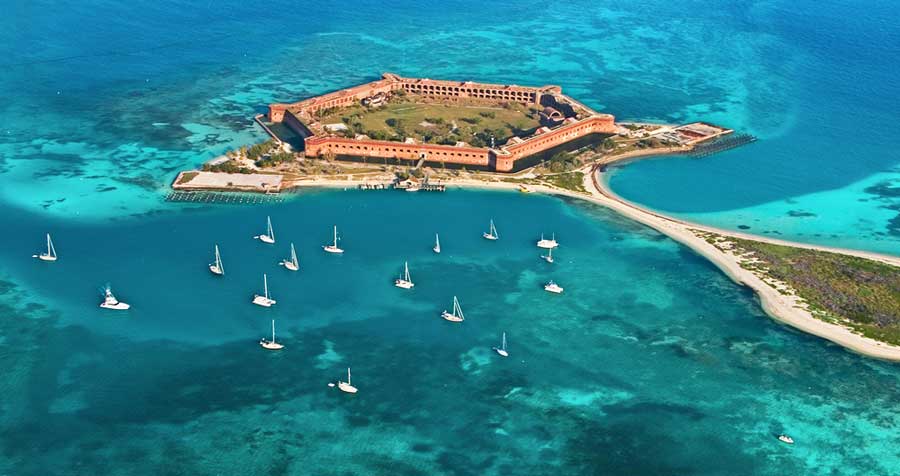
(418,134)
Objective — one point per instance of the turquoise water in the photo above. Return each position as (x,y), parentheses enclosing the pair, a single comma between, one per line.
(826,169)
(651,363)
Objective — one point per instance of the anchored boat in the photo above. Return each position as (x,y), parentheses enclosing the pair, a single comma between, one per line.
(456,315)
(110,301)
(264,300)
(552,287)
(269,237)
(347,386)
(437,244)
(502,349)
(271,344)
(292,263)
(549,256)
(217,268)
(404,281)
(492,233)
(50,254)
(333,247)
(547,244)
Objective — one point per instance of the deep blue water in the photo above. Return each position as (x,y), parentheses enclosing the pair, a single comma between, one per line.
(651,363)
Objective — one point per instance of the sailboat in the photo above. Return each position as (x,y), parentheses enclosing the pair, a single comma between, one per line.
(548,244)
(217,268)
(110,301)
(549,256)
(502,349)
(265,300)
(269,237)
(437,244)
(292,263)
(333,247)
(552,287)
(492,234)
(456,315)
(271,344)
(347,386)
(404,281)
(50,255)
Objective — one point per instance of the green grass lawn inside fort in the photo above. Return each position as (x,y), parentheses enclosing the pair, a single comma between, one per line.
(435,123)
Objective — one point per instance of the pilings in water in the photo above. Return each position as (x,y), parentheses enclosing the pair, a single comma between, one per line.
(230,198)
(720,144)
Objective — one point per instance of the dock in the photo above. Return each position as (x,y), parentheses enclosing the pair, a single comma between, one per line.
(720,144)
(228,198)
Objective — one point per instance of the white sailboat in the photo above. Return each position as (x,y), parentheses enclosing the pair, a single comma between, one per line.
(456,315)
(333,247)
(347,386)
(217,268)
(404,281)
(110,301)
(292,263)
(552,287)
(549,256)
(269,237)
(264,300)
(502,349)
(548,244)
(437,244)
(492,234)
(271,344)
(50,254)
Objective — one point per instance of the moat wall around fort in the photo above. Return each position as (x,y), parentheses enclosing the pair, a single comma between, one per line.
(580,125)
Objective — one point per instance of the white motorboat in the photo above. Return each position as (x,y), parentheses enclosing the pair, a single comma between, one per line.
(264,300)
(50,254)
(502,349)
(549,256)
(110,301)
(547,244)
(346,386)
(456,315)
(292,263)
(786,439)
(437,244)
(269,237)
(217,268)
(404,281)
(492,233)
(333,247)
(271,344)
(553,287)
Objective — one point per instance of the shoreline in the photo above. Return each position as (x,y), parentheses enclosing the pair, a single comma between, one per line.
(785,309)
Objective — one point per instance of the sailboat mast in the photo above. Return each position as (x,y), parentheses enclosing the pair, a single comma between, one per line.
(266,285)
(503,346)
(273,332)
(269,227)
(293,255)
(335,236)
(348,375)
(406,270)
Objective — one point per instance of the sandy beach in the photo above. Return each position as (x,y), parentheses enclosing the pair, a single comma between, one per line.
(783,308)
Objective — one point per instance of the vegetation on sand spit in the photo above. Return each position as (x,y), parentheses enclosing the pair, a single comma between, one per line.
(860,293)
